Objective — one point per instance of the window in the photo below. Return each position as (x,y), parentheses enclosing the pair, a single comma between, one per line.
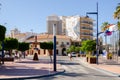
(67,43)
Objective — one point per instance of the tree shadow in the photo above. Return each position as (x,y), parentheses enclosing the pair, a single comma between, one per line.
(34,62)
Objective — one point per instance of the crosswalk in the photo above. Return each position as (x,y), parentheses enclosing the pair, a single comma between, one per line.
(75,70)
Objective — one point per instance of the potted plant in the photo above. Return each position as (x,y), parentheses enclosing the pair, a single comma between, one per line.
(89,46)
(109,56)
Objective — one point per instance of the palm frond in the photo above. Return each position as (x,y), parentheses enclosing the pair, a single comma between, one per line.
(104,26)
(118,7)
(116,14)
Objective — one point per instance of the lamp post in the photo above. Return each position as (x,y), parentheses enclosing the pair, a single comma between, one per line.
(54,45)
(97,32)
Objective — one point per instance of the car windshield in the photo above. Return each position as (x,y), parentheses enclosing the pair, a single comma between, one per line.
(73,52)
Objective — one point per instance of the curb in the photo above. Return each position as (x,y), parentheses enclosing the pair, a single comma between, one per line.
(98,69)
(115,74)
(35,77)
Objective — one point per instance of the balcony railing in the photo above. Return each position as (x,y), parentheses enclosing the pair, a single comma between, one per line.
(86,28)
(87,22)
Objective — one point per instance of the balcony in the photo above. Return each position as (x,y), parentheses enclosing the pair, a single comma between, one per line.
(86,28)
(86,34)
(87,22)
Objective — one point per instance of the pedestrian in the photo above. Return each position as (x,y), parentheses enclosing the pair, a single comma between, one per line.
(70,56)
(35,57)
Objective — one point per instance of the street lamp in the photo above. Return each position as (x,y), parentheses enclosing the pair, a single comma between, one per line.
(54,45)
(97,32)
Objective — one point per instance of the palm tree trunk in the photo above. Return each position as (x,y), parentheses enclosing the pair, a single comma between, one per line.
(119,44)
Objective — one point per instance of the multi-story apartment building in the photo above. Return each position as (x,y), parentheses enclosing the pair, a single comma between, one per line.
(77,27)
(86,28)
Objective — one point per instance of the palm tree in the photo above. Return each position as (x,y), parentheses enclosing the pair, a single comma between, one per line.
(117,12)
(104,28)
(117,16)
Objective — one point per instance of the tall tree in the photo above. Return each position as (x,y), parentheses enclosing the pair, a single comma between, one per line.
(117,16)
(2,32)
(2,37)
(117,12)
(23,47)
(10,44)
(48,46)
(104,26)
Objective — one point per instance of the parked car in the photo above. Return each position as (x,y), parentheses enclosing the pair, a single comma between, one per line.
(73,54)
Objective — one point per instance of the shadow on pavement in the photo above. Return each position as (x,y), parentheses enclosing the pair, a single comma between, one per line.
(72,63)
(33,62)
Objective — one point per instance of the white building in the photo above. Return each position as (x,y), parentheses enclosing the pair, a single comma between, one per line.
(77,27)
(73,27)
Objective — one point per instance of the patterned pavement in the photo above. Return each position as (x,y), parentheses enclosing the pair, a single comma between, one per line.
(27,68)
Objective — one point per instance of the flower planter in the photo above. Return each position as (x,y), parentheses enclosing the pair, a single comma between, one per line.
(109,56)
(92,60)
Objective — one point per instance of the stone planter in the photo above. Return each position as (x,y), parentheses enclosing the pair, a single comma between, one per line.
(92,60)
(87,59)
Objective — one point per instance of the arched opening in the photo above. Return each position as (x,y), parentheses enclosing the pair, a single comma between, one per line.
(39,52)
(63,52)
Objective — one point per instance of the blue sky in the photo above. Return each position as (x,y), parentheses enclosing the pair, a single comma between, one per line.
(31,14)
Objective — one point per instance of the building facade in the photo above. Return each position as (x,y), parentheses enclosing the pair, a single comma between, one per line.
(62,43)
(51,20)
(86,28)
(15,33)
(73,27)
(78,28)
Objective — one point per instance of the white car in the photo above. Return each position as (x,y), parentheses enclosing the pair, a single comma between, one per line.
(73,54)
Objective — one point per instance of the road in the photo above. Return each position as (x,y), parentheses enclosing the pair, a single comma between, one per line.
(77,71)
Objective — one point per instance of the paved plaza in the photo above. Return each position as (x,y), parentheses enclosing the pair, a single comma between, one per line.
(27,68)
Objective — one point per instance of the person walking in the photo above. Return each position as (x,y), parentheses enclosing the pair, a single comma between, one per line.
(70,56)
